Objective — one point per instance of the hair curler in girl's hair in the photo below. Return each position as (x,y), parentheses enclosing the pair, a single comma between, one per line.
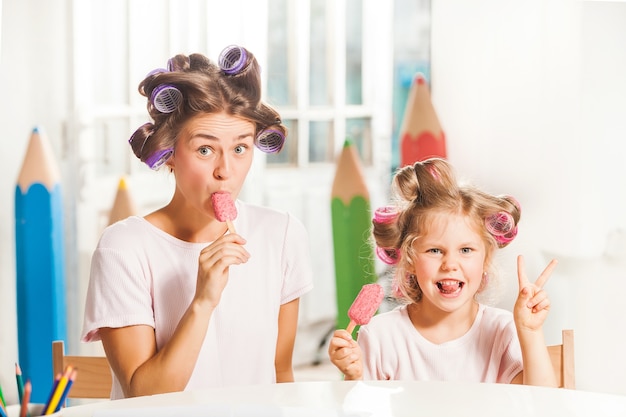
(233,59)
(166,98)
(386,214)
(387,255)
(270,140)
(502,227)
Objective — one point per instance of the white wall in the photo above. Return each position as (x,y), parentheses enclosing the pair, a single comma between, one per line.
(532,96)
(33,70)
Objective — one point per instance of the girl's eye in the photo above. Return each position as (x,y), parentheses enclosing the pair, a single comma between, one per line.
(240,149)
(466,250)
(204,150)
(434,250)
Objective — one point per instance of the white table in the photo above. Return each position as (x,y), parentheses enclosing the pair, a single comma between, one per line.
(356,399)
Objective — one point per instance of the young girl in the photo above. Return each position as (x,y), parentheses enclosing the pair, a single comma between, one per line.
(442,237)
(177,300)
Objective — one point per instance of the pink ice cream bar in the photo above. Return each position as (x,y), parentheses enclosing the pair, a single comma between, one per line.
(365,305)
(224,208)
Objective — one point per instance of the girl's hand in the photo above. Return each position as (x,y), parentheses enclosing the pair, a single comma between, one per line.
(345,354)
(213,264)
(533,304)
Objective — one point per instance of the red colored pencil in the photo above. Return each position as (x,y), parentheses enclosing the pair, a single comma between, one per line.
(28,389)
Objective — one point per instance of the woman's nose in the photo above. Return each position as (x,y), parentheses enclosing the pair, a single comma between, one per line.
(222,167)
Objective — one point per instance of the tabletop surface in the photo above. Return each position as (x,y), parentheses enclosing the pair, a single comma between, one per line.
(360,399)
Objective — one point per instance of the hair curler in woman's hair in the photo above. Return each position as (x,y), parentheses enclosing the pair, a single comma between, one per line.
(270,140)
(166,98)
(502,227)
(159,157)
(233,59)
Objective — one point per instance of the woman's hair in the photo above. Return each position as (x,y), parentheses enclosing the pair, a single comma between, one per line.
(192,85)
(422,193)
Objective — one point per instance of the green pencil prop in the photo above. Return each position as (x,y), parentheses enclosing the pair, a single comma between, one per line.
(40,262)
(351,222)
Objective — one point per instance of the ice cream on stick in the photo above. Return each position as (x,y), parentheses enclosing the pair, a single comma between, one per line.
(365,305)
(224,208)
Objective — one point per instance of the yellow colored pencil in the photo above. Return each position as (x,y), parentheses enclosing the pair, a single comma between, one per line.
(58,392)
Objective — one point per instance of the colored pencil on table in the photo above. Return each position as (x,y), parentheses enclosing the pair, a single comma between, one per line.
(67,389)
(351,223)
(58,391)
(55,384)
(4,403)
(20,382)
(123,205)
(421,136)
(40,262)
(3,412)
(26,400)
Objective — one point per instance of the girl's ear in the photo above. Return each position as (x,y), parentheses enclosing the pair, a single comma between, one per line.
(483,283)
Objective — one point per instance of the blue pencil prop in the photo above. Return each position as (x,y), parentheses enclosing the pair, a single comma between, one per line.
(40,262)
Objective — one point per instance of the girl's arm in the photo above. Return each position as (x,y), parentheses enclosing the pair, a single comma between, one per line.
(287,326)
(132,352)
(530,312)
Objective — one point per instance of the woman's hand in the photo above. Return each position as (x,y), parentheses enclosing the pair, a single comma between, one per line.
(533,304)
(345,354)
(213,264)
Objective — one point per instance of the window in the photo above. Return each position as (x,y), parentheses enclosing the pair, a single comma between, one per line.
(316,79)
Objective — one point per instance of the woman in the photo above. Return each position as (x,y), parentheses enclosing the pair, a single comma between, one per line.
(177,300)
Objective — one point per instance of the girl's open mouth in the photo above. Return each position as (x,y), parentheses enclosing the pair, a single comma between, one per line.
(450,286)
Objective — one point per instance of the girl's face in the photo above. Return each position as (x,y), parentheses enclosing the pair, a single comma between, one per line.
(449,262)
(213,153)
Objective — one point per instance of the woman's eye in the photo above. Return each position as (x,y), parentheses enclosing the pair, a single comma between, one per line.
(240,149)
(204,151)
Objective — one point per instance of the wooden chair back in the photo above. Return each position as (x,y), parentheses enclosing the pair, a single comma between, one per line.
(93,379)
(562,357)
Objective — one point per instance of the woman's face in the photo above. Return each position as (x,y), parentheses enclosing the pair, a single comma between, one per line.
(213,153)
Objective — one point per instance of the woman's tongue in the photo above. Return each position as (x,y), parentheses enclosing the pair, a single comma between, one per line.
(449,286)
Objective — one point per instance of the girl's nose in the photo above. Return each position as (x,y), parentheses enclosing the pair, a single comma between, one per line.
(449,263)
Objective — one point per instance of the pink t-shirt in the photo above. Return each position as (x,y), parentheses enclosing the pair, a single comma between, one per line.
(142,275)
(394,349)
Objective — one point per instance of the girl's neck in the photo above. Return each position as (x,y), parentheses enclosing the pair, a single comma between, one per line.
(440,326)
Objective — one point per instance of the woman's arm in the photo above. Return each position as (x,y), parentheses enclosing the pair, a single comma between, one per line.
(287,326)
(142,370)
(132,351)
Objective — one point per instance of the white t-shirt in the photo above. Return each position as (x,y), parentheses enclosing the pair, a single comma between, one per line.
(394,349)
(142,275)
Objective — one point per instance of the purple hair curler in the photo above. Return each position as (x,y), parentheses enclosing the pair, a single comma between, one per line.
(232,59)
(166,98)
(270,140)
(159,157)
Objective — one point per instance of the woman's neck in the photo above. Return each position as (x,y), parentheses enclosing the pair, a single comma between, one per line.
(439,326)
(186,225)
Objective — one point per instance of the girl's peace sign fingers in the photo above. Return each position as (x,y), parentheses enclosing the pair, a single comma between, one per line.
(543,278)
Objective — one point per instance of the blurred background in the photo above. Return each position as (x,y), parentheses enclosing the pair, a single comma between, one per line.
(531,96)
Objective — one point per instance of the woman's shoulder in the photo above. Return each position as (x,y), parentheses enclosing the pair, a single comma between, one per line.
(259,216)
(124,232)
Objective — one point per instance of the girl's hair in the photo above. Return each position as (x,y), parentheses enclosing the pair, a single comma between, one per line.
(192,85)
(422,193)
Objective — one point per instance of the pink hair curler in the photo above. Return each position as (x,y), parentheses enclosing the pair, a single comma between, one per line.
(387,255)
(385,215)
